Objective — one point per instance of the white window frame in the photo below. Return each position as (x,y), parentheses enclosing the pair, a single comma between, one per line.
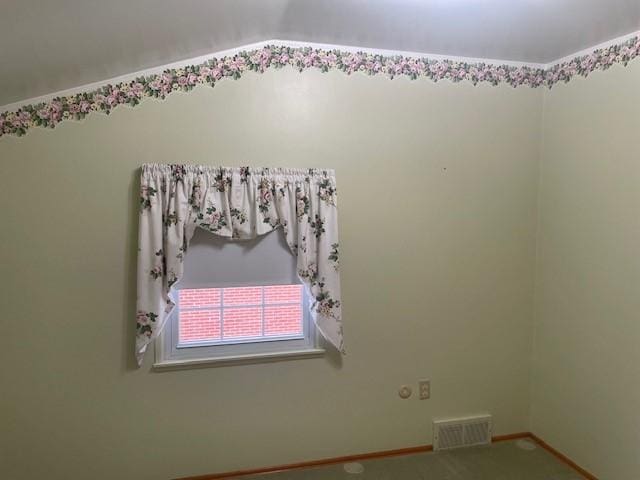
(169,355)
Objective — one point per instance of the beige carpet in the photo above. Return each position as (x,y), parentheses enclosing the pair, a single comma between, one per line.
(500,461)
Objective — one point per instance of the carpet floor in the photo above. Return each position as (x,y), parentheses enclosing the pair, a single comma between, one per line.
(509,460)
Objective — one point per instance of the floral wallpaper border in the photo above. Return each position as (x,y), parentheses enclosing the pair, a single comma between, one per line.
(184,79)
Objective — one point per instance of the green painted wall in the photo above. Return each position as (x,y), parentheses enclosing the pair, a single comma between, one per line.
(437,188)
(586,358)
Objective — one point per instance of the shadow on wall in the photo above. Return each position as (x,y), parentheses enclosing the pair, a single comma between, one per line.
(129,282)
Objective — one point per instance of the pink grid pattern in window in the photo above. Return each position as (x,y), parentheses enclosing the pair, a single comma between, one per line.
(229,315)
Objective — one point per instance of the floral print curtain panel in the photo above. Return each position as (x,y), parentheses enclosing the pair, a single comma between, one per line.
(237,203)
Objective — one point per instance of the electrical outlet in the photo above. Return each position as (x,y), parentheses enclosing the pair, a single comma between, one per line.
(424,387)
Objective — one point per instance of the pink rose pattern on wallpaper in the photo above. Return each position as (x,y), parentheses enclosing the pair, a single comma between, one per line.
(184,79)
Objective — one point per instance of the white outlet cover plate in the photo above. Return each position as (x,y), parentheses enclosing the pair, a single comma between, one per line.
(424,389)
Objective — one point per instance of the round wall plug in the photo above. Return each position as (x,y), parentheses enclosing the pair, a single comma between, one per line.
(405,391)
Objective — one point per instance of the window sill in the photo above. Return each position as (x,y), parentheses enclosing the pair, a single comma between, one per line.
(238,359)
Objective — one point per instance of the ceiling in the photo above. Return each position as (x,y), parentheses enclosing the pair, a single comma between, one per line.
(47,46)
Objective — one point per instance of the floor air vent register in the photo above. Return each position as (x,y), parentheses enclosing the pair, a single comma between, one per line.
(461,432)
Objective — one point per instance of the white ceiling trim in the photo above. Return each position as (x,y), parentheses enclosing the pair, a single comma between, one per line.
(254,46)
(589,50)
(130,76)
(404,53)
(296,44)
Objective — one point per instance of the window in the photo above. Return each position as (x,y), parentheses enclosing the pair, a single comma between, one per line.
(238,301)
(219,316)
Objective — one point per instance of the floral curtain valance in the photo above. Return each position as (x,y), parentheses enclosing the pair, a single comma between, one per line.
(237,203)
